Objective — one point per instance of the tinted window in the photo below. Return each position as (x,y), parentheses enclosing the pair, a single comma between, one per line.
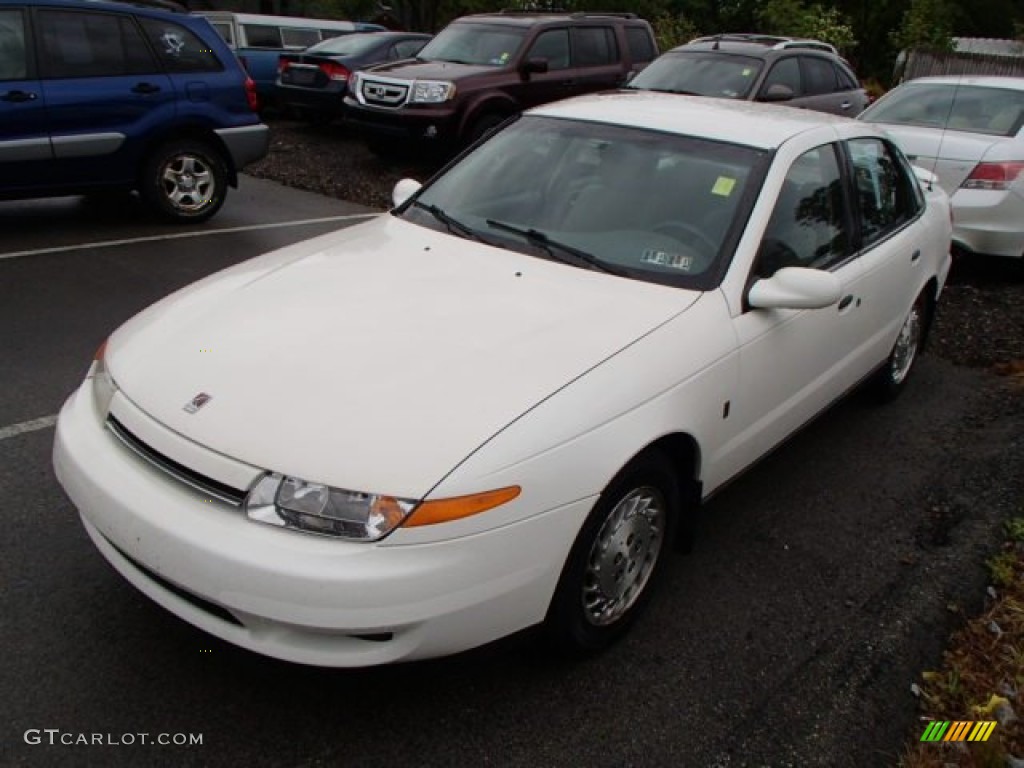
(886,195)
(704,74)
(346,45)
(641,47)
(13,56)
(552,45)
(299,38)
(474,44)
(92,45)
(976,109)
(847,82)
(784,72)
(224,30)
(408,48)
(178,49)
(262,36)
(807,228)
(594,46)
(819,76)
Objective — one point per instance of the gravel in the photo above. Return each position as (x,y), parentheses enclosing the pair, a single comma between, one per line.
(980,322)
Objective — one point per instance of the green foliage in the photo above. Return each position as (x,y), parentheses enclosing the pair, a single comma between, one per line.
(1001,567)
(926,24)
(672,30)
(794,18)
(1015,529)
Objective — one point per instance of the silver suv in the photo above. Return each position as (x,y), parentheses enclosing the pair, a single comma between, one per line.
(793,71)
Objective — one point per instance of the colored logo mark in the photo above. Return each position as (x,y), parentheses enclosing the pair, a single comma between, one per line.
(959,730)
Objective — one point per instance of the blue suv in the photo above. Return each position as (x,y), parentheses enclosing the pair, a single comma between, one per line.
(100,96)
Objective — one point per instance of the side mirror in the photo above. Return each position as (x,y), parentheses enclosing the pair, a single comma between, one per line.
(538,65)
(795,288)
(404,189)
(777,92)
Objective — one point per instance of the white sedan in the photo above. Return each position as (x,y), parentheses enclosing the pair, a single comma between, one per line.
(500,404)
(970,132)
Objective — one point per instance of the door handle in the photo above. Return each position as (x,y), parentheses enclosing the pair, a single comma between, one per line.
(845,301)
(915,255)
(19,96)
(145,88)
(845,105)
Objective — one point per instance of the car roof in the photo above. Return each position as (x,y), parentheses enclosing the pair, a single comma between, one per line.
(985,81)
(532,18)
(765,126)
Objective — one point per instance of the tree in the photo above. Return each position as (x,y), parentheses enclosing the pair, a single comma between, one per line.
(926,24)
(792,18)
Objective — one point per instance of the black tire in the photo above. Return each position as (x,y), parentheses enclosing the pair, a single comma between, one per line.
(585,613)
(483,125)
(891,378)
(185,181)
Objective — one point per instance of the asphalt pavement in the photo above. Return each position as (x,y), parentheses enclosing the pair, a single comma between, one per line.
(822,582)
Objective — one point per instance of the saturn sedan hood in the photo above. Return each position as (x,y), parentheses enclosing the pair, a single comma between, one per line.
(377,357)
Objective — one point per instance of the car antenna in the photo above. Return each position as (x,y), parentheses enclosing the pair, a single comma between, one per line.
(945,123)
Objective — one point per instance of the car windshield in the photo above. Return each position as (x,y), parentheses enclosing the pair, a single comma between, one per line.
(347,45)
(648,205)
(701,73)
(955,107)
(474,44)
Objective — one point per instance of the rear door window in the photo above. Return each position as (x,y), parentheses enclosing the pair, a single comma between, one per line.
(13,53)
(262,36)
(299,38)
(594,47)
(84,44)
(819,76)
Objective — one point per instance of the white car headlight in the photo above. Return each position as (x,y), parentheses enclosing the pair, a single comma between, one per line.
(289,502)
(431,91)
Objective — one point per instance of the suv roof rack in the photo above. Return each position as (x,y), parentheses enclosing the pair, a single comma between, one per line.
(599,14)
(776,42)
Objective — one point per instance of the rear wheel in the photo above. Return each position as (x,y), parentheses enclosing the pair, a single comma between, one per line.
(616,558)
(185,181)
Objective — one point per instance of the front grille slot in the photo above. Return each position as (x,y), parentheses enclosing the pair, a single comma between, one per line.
(191,478)
(382,94)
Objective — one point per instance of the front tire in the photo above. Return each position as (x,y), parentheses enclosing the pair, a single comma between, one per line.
(185,181)
(892,377)
(617,557)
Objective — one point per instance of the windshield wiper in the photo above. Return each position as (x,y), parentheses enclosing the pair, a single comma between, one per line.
(536,237)
(453,225)
(677,91)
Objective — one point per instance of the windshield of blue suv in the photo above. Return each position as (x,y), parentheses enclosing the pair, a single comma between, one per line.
(701,73)
(479,44)
(643,204)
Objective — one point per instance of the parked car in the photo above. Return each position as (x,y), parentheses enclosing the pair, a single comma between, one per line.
(970,132)
(500,404)
(481,69)
(315,81)
(795,71)
(98,96)
(259,39)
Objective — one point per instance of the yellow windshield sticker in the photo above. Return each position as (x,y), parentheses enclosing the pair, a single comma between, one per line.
(747,72)
(723,186)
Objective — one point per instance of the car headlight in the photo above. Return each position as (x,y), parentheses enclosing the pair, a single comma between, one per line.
(290,502)
(431,91)
(103,387)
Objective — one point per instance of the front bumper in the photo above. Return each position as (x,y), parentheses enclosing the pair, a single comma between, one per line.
(295,596)
(436,124)
(246,143)
(989,222)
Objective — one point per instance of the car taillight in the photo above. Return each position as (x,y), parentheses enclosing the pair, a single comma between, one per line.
(282,64)
(250,94)
(335,71)
(993,175)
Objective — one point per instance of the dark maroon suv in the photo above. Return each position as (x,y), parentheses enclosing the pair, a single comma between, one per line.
(483,68)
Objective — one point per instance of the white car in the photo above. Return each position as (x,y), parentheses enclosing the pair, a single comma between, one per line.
(500,404)
(969,131)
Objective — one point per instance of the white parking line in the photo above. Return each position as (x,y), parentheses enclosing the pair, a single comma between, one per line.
(180,235)
(33,425)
